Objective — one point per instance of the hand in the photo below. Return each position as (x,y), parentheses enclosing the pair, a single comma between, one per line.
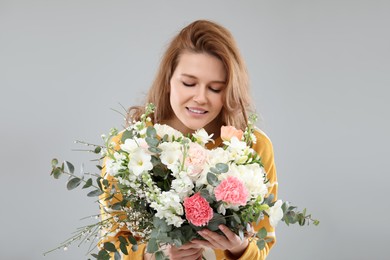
(187,251)
(229,241)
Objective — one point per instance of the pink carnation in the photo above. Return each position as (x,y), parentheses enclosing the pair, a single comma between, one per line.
(227,132)
(198,210)
(232,191)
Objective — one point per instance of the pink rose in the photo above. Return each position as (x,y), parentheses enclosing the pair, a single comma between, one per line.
(197,210)
(195,160)
(232,191)
(227,132)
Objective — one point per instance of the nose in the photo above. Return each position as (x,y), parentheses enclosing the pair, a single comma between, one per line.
(200,95)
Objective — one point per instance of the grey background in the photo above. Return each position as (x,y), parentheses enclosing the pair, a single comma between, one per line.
(319,73)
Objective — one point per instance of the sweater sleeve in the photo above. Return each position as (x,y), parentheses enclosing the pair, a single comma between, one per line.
(264,148)
(112,230)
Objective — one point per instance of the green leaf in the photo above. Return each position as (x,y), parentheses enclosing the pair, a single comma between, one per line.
(99,183)
(99,167)
(117,256)
(54,162)
(236,218)
(105,183)
(260,244)
(109,247)
(73,183)
(262,233)
(88,183)
(212,179)
(127,135)
(103,255)
(216,221)
(161,225)
(159,255)
(151,132)
(56,173)
(222,167)
(123,240)
(152,246)
(94,193)
(155,150)
(97,149)
(151,141)
(70,166)
(123,248)
(132,240)
(117,206)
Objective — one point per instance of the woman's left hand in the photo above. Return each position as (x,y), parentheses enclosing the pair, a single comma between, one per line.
(229,241)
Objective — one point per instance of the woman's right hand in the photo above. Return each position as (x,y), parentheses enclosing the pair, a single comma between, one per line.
(188,251)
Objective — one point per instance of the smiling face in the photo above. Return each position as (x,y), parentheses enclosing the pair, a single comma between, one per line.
(196,93)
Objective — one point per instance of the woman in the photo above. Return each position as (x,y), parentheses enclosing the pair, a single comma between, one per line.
(202,82)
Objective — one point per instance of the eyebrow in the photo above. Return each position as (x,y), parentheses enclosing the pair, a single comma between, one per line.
(214,81)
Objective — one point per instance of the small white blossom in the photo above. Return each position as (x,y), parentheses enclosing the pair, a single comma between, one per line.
(140,162)
(275,213)
(202,137)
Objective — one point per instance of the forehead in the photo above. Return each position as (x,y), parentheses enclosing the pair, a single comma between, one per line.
(200,65)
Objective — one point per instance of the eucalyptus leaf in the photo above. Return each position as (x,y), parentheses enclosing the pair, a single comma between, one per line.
(126,135)
(134,248)
(260,244)
(262,233)
(97,149)
(222,167)
(151,141)
(159,255)
(123,248)
(151,131)
(99,183)
(117,206)
(216,221)
(212,179)
(70,166)
(132,240)
(57,173)
(155,150)
(117,256)
(54,162)
(109,247)
(73,183)
(94,193)
(152,246)
(88,183)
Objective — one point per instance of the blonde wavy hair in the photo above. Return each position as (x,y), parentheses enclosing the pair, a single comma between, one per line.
(202,36)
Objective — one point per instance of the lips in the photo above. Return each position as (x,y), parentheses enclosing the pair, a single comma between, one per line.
(196,110)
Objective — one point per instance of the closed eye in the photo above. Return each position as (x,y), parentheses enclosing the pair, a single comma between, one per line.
(215,90)
(187,84)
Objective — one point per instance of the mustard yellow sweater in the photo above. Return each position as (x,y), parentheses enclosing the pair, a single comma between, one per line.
(264,148)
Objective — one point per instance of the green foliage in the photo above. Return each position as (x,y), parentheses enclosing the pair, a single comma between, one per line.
(88,183)
(94,193)
(109,247)
(152,246)
(212,179)
(217,220)
(70,167)
(73,183)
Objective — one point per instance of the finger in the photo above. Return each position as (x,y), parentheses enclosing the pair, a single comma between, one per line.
(201,242)
(229,234)
(216,240)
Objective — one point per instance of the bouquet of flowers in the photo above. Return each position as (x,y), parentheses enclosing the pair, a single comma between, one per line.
(163,187)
